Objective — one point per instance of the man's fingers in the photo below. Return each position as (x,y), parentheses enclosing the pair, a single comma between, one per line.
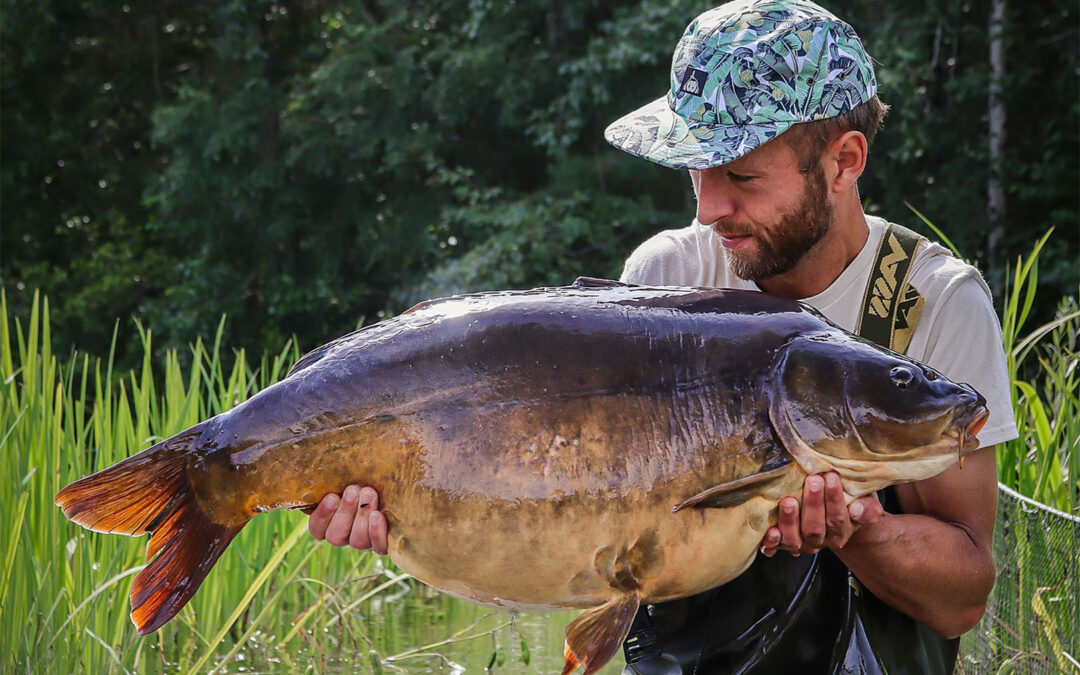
(770,542)
(360,537)
(813,514)
(865,510)
(320,517)
(837,521)
(377,530)
(337,533)
(376,521)
(369,498)
(788,523)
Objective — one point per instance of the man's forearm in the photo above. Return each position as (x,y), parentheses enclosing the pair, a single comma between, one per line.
(931,570)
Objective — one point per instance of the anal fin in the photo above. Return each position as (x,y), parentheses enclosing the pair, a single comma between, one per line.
(594,637)
(738,491)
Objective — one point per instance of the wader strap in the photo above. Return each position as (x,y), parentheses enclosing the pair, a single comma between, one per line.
(873,632)
(891,306)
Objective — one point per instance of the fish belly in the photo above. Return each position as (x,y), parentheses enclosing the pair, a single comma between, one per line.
(575,553)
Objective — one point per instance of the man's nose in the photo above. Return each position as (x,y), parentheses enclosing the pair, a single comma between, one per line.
(714,198)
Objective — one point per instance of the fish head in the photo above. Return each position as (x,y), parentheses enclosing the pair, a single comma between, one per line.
(840,403)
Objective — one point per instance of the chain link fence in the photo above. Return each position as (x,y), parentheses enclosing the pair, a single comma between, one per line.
(1032,622)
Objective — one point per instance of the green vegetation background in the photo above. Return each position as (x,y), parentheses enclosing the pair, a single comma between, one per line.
(305,166)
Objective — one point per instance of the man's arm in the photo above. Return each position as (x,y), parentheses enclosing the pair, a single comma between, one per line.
(933,562)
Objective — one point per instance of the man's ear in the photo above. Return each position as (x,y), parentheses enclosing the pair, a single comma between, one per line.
(846,156)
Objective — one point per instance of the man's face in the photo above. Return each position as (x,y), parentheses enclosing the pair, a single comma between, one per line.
(767,212)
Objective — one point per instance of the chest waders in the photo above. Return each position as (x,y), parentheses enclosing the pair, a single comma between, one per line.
(807,614)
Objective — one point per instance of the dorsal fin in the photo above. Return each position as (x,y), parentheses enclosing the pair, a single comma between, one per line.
(593,282)
(425,303)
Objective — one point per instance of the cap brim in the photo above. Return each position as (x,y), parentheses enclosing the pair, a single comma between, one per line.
(654,132)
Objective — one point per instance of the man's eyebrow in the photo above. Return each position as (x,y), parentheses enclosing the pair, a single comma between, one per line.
(746,168)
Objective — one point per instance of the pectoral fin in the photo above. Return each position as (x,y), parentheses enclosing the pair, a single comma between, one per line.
(738,491)
(594,637)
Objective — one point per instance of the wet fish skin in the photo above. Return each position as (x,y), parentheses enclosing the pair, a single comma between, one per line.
(546,430)
(529,447)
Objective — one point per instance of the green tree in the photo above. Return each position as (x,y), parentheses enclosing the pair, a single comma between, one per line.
(78,84)
(304,165)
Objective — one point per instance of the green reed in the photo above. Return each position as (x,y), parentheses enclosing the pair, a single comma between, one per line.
(1044,462)
(1036,592)
(63,590)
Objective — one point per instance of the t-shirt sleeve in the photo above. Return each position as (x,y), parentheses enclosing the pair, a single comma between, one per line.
(965,345)
(659,261)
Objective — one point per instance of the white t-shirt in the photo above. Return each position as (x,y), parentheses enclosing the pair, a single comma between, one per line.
(957,334)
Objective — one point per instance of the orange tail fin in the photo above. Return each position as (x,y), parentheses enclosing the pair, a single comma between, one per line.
(150,492)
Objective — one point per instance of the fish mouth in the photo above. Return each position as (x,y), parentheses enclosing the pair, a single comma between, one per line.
(969,426)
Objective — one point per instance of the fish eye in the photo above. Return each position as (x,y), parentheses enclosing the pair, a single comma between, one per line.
(931,375)
(902,376)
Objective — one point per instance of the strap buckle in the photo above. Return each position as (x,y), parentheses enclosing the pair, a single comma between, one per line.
(641,644)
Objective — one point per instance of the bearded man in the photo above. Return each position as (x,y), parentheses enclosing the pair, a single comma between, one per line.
(772,109)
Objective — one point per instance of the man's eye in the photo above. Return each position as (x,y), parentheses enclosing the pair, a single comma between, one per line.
(740,178)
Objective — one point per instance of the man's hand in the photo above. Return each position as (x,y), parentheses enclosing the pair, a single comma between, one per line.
(824,520)
(353,518)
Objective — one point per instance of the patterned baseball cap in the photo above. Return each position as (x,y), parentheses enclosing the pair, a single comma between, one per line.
(742,74)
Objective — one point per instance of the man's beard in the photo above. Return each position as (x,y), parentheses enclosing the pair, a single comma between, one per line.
(795,233)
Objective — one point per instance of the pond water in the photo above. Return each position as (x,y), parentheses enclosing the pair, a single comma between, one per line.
(419,630)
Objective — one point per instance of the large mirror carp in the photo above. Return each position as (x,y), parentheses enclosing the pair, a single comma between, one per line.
(593,446)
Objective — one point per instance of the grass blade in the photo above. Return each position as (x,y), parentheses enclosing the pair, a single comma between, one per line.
(275,560)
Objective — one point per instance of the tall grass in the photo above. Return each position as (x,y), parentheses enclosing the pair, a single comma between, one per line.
(63,590)
(1044,462)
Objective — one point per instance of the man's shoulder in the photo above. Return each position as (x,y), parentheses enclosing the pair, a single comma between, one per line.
(936,273)
(669,242)
(665,257)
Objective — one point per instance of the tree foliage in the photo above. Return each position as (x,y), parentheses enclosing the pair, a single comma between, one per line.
(305,166)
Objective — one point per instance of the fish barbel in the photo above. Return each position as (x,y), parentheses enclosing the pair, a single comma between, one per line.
(594,446)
